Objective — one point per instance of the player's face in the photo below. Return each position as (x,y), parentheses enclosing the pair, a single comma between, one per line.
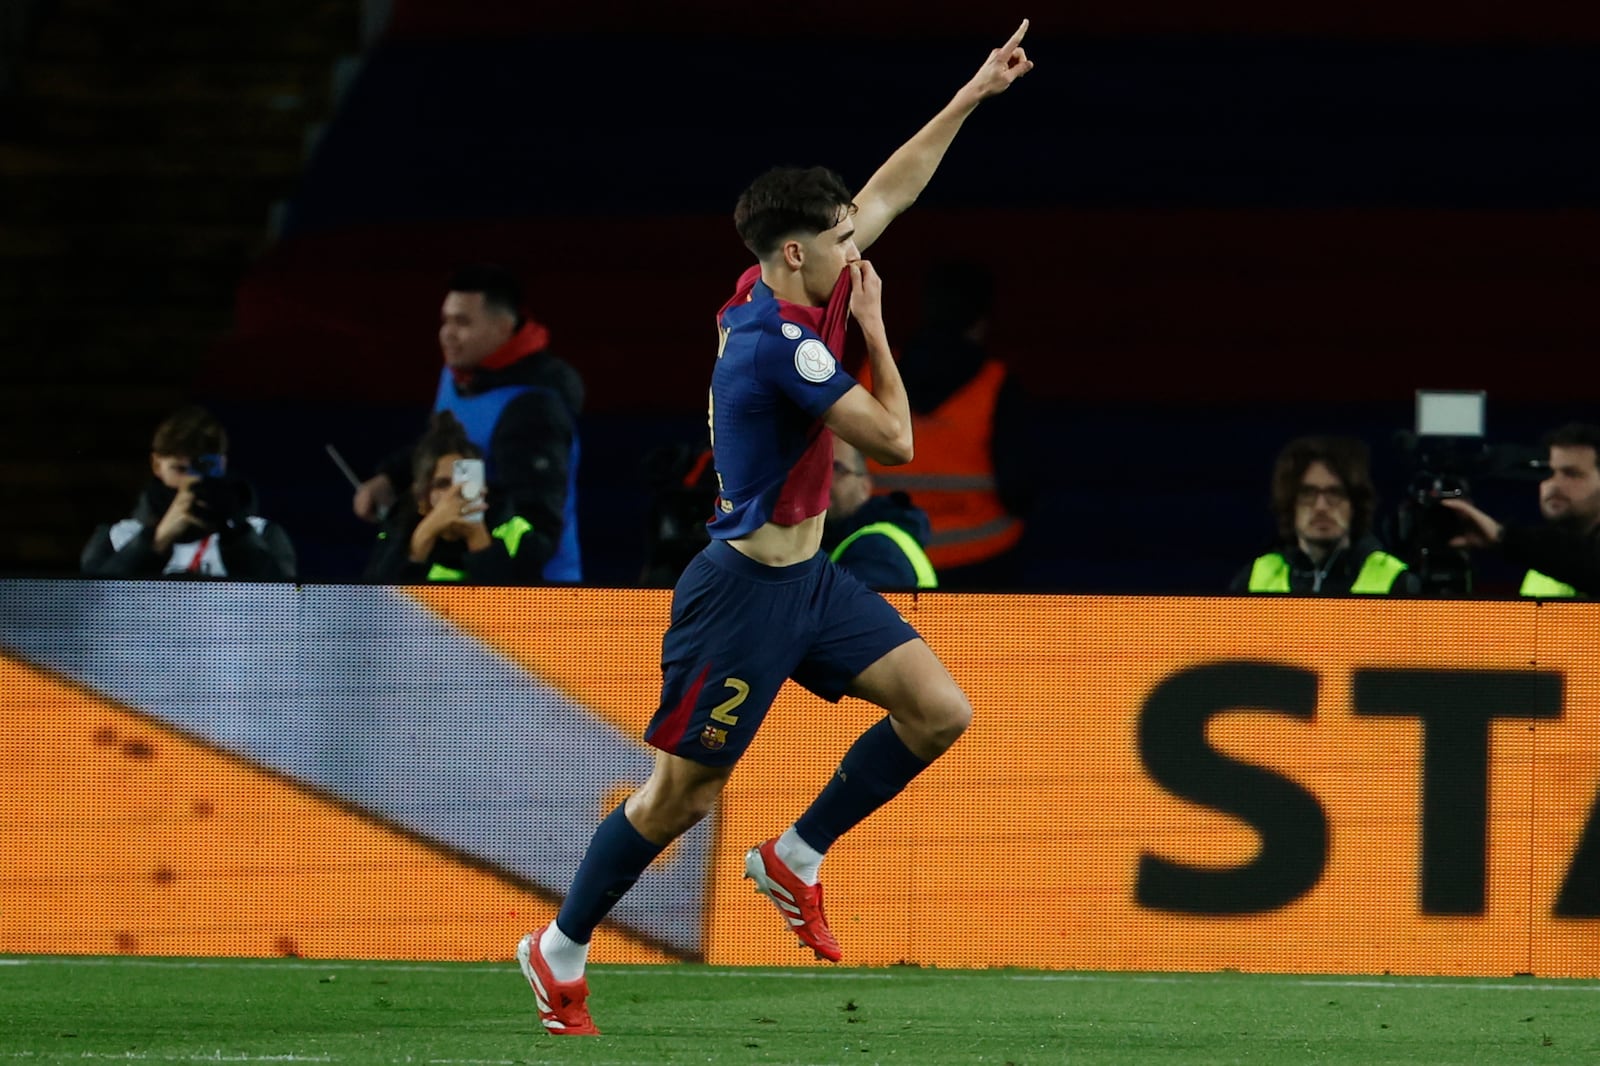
(1571,494)
(1322,510)
(470,331)
(827,254)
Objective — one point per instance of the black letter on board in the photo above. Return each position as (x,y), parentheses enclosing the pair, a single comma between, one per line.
(1456,707)
(1290,822)
(1580,892)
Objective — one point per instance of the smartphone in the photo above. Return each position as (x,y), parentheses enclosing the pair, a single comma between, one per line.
(468,473)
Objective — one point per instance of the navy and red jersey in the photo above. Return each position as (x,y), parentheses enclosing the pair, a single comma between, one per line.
(775,377)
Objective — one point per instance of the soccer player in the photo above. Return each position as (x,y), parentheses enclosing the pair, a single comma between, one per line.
(762,603)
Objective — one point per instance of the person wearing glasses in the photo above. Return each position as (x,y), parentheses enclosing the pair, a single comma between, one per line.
(880,539)
(1323,501)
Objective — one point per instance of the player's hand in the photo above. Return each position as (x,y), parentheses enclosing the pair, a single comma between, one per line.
(1005,65)
(1480,531)
(866,295)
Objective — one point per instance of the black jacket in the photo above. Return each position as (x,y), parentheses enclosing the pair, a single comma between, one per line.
(1556,551)
(243,546)
(506,561)
(878,562)
(1334,577)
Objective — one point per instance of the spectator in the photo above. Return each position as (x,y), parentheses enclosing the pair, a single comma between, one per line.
(1563,555)
(520,406)
(879,539)
(439,534)
(195,518)
(973,471)
(1324,501)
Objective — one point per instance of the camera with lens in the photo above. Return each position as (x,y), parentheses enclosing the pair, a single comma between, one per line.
(1445,457)
(223,498)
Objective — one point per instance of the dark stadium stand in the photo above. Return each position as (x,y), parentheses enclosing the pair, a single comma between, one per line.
(1212,230)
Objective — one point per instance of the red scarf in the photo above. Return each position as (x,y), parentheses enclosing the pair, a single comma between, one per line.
(531,338)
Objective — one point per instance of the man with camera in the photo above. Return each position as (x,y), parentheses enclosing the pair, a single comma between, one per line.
(1562,556)
(194,519)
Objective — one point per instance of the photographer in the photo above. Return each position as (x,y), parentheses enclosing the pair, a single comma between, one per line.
(1562,557)
(194,519)
(1323,500)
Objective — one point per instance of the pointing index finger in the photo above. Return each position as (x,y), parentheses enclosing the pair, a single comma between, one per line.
(1016,38)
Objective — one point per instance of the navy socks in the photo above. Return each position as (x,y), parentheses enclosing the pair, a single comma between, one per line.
(875,770)
(617,855)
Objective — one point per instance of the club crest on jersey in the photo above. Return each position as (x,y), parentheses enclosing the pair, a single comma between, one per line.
(792,331)
(712,738)
(813,361)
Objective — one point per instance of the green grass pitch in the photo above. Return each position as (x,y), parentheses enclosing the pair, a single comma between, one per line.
(297,1010)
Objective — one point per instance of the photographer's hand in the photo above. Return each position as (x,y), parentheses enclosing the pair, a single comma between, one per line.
(179,519)
(1481,532)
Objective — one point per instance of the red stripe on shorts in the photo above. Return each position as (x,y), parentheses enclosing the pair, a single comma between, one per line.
(670,733)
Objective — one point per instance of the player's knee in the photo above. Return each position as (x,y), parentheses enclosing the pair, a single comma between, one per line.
(664,819)
(663,812)
(953,716)
(939,720)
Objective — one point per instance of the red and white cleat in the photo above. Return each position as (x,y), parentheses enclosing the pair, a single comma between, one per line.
(799,903)
(563,1005)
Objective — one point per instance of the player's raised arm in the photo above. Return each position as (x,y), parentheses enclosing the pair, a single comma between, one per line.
(902,177)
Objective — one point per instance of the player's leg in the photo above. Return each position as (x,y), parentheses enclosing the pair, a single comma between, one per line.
(724,658)
(868,650)
(676,796)
(928,712)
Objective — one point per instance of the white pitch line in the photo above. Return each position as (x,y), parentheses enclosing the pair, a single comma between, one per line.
(197,1057)
(498,970)
(220,1057)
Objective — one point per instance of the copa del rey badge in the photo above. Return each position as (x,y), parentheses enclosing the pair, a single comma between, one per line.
(813,360)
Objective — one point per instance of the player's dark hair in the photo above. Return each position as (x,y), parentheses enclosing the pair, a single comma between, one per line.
(1350,461)
(1574,435)
(190,432)
(786,201)
(500,288)
(445,435)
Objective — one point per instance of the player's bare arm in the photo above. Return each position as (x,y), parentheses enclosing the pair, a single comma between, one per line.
(878,423)
(902,177)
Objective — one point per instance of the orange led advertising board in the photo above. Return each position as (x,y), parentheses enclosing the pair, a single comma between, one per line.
(1350,786)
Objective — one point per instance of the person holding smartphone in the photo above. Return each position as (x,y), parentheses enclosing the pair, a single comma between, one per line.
(450,529)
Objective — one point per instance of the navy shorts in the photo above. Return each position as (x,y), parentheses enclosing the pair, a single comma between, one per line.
(740,629)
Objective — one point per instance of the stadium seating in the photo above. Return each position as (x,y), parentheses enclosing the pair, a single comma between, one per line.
(1212,229)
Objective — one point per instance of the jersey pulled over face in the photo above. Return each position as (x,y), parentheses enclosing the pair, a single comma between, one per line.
(774,379)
